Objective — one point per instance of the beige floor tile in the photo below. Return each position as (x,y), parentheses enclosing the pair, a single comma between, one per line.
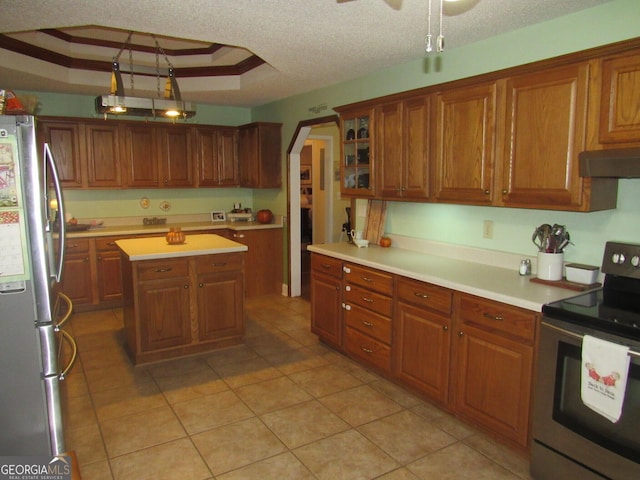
(445,421)
(272,343)
(190,385)
(396,393)
(281,467)
(205,413)
(95,471)
(127,400)
(95,322)
(179,366)
(170,461)
(236,445)
(360,405)
(75,383)
(325,380)
(87,442)
(513,461)
(347,455)
(304,423)
(79,412)
(247,372)
(302,335)
(102,379)
(103,358)
(406,436)
(124,435)
(399,474)
(226,356)
(293,361)
(458,462)
(272,395)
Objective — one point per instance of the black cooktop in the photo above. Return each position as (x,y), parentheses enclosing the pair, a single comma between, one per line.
(604,310)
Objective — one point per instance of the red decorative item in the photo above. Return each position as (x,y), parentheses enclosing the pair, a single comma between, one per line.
(385,242)
(264,216)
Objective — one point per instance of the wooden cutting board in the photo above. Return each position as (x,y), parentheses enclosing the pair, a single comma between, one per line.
(375,220)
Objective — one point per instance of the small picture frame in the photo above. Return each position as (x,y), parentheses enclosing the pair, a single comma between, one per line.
(305,174)
(218,216)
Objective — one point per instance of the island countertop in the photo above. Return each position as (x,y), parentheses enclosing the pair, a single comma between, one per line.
(155,248)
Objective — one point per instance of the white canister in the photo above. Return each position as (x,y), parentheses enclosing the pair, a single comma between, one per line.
(550,266)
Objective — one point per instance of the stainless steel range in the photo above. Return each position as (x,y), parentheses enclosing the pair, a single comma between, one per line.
(569,439)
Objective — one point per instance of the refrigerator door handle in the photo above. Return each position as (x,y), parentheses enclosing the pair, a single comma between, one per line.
(74,354)
(61,224)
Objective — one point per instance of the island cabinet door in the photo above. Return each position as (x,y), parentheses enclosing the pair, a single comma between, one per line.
(163,310)
(220,305)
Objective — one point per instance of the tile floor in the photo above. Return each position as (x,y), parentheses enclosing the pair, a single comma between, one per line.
(281,406)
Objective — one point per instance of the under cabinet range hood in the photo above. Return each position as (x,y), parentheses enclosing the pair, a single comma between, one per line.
(614,163)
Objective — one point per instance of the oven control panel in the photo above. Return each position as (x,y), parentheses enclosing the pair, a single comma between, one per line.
(621,259)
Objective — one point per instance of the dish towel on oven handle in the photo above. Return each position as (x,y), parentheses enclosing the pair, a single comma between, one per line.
(605,366)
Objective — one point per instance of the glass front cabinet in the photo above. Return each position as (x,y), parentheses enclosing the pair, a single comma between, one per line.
(356,167)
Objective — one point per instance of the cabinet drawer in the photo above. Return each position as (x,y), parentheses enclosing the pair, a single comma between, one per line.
(157,270)
(372,279)
(76,245)
(223,262)
(328,265)
(370,323)
(381,304)
(368,349)
(105,244)
(497,317)
(424,295)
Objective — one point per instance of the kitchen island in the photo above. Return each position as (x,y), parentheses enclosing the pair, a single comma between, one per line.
(181,299)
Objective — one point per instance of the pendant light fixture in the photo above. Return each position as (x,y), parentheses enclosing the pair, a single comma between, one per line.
(440,37)
(169,105)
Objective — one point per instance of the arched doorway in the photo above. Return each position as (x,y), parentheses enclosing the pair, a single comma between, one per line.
(301,134)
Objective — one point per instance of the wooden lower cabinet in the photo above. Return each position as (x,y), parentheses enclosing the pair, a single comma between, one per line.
(182,306)
(493,366)
(109,271)
(472,356)
(326,299)
(265,259)
(77,273)
(422,337)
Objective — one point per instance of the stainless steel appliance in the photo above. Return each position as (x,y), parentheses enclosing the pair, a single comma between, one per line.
(569,439)
(30,266)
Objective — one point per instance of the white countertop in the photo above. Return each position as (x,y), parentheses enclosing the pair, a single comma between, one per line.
(164,228)
(488,281)
(155,248)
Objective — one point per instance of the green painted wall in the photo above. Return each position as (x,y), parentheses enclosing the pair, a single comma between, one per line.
(608,23)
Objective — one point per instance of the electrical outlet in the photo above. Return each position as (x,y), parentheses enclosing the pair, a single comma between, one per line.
(487,229)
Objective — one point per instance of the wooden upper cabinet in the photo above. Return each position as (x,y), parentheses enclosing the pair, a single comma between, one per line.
(140,156)
(103,144)
(259,152)
(465,138)
(64,139)
(402,153)
(217,156)
(546,119)
(357,166)
(620,100)
(175,156)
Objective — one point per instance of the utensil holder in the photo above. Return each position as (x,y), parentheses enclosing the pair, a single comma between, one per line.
(550,266)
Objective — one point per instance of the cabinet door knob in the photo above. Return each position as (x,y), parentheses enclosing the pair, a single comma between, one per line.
(201,285)
(445,328)
(99,257)
(346,307)
(186,287)
(504,192)
(346,269)
(460,333)
(486,192)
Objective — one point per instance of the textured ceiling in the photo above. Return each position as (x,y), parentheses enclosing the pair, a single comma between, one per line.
(306,44)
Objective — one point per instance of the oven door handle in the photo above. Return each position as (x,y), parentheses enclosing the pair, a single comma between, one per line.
(579,336)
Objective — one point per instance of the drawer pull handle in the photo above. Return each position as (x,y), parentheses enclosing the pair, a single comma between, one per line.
(367,324)
(420,295)
(367,299)
(220,264)
(163,270)
(366,279)
(366,350)
(73,245)
(111,244)
(326,266)
(498,318)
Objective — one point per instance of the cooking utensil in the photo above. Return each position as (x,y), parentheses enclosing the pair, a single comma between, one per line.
(551,239)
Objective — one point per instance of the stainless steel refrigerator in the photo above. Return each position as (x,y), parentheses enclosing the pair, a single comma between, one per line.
(31,259)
